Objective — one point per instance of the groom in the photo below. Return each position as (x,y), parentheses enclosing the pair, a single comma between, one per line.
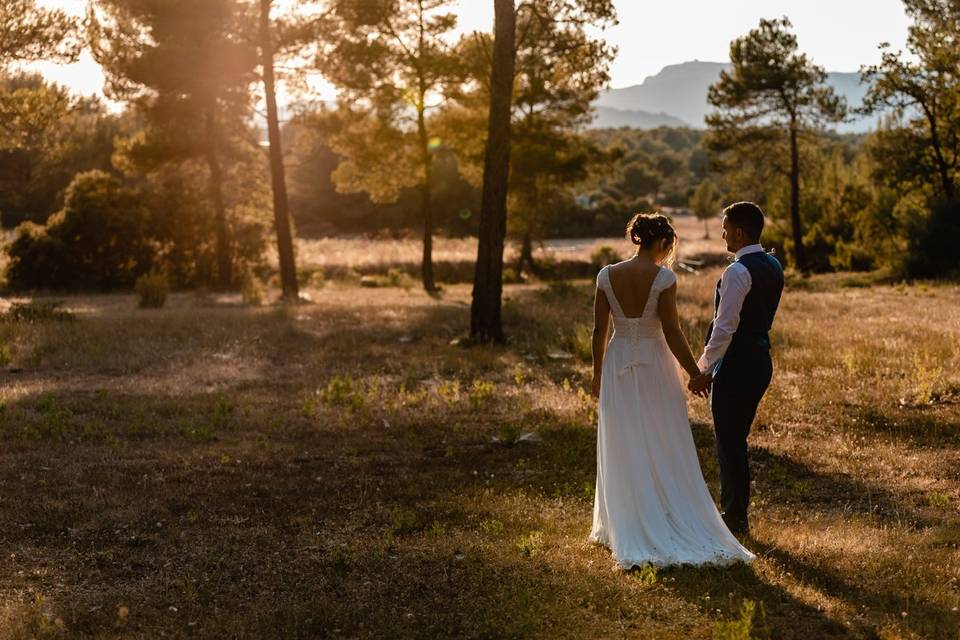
(736,360)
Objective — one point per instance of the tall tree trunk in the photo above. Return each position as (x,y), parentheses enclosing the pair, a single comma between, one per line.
(526,255)
(795,221)
(485,320)
(215,185)
(706,228)
(281,210)
(426,205)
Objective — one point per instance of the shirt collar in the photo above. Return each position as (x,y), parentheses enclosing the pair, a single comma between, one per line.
(750,248)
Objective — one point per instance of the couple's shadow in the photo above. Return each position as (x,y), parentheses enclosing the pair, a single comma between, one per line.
(779,613)
(721,592)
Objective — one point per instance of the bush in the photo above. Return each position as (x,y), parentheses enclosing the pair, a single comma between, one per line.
(510,276)
(151,290)
(932,249)
(30,312)
(605,255)
(96,241)
(393,278)
(251,289)
(398,278)
(36,258)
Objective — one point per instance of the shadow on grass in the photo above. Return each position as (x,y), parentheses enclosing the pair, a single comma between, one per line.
(778,614)
(915,426)
(879,605)
(783,480)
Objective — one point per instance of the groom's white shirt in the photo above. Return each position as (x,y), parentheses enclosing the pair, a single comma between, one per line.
(735,283)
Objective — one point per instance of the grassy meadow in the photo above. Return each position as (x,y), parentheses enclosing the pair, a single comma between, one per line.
(348,468)
(351,257)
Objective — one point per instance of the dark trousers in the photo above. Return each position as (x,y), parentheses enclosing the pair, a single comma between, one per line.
(738,387)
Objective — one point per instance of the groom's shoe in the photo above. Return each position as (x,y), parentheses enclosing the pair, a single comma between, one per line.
(737,526)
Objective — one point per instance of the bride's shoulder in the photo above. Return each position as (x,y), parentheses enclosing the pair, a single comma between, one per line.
(600,275)
(666,277)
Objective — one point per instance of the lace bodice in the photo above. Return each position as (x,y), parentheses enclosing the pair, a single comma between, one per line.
(632,343)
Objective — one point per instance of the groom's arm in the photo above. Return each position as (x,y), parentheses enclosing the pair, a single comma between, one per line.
(734,286)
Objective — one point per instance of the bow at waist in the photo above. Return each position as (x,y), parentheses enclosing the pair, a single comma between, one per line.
(635,347)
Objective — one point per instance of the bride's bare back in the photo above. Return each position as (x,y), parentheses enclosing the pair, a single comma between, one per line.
(631,281)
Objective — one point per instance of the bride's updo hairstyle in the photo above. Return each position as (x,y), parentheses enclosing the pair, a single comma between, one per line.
(647,229)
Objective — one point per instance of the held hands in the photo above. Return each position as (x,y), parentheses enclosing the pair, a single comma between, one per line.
(699,385)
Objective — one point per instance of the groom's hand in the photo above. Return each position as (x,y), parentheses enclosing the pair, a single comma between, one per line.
(700,385)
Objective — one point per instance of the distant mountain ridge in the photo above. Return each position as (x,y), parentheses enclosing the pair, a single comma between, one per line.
(612,118)
(677,96)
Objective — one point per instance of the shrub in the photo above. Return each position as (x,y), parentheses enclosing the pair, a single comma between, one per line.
(510,276)
(492,527)
(151,290)
(109,234)
(30,312)
(482,392)
(36,258)
(604,255)
(579,341)
(393,278)
(251,289)
(531,544)
(740,628)
(398,278)
(316,279)
(932,248)
(96,241)
(646,574)
(558,290)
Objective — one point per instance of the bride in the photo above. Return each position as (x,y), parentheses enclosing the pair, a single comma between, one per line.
(652,505)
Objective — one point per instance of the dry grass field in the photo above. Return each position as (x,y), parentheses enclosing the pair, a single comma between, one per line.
(348,469)
(454,257)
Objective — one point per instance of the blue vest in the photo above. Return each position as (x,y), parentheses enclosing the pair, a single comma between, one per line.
(760,305)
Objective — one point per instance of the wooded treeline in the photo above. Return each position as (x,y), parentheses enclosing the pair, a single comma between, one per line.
(186,180)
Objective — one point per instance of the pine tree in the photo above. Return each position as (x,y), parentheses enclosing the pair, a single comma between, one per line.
(772,90)
(187,67)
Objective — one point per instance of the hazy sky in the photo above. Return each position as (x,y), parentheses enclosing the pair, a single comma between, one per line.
(838,34)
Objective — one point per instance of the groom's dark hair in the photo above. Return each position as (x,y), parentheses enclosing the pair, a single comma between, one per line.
(747,216)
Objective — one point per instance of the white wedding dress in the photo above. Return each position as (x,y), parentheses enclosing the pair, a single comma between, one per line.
(652,505)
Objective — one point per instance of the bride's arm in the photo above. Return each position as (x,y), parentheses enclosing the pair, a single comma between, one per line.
(677,342)
(601,325)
